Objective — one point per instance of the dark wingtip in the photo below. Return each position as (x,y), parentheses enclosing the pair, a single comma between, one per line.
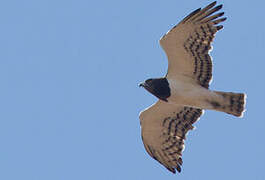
(171,170)
(219,27)
(190,15)
(218,7)
(210,6)
(178,168)
(213,3)
(222,13)
(180,161)
(196,11)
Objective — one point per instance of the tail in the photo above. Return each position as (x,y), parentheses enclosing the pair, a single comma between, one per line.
(233,103)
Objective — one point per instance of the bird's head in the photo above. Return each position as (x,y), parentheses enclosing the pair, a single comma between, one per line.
(147,83)
(158,87)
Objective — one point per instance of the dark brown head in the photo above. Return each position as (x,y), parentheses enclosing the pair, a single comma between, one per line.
(158,87)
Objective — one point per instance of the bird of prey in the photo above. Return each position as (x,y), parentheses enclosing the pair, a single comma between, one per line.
(183,93)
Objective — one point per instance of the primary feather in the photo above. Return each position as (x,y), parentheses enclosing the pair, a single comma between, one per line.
(187,44)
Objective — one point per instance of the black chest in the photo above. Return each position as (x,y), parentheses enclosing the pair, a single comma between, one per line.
(160,88)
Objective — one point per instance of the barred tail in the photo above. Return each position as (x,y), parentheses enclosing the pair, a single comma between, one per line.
(234,103)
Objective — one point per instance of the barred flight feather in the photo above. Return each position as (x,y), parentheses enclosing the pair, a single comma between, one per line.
(193,35)
(172,134)
(164,125)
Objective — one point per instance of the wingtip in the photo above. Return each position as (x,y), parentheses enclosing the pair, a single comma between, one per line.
(171,170)
(219,27)
(180,161)
(178,168)
(218,7)
(213,3)
(197,9)
(191,15)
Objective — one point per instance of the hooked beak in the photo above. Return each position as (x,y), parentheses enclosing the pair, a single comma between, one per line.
(142,84)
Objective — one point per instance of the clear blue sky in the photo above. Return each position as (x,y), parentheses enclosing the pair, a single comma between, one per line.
(69,95)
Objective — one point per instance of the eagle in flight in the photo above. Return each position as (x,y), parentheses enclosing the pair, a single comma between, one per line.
(183,93)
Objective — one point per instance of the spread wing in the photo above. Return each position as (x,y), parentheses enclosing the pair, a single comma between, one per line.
(164,127)
(187,44)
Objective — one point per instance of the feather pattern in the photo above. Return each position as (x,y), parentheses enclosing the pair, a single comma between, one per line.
(187,44)
(164,130)
(164,125)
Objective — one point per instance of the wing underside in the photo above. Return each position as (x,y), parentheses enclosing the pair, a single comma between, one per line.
(187,44)
(164,130)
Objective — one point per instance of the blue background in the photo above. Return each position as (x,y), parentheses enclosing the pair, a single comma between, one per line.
(69,95)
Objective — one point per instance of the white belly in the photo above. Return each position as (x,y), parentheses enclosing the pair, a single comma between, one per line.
(189,94)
